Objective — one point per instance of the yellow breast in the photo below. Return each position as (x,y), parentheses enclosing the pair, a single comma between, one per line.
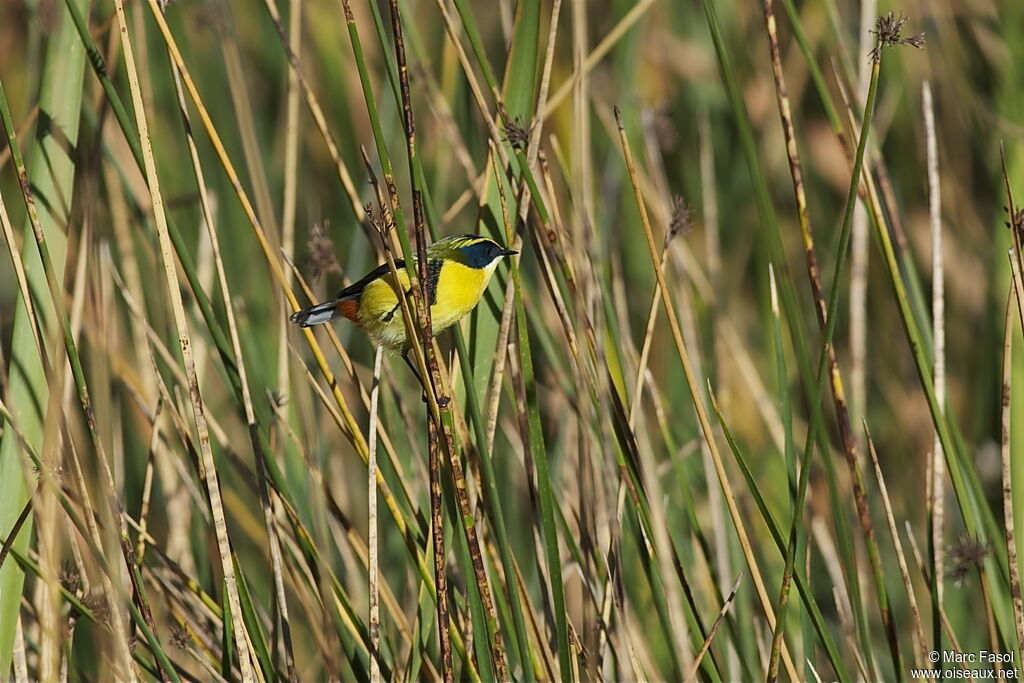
(459,289)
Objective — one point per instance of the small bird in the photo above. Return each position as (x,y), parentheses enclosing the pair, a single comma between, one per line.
(458,270)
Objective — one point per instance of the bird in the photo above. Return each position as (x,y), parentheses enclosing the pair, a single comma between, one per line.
(459,268)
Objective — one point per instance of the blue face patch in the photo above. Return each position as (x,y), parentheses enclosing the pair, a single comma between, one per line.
(480,254)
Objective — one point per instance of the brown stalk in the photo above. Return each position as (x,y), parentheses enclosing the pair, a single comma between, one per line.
(806,233)
(181,325)
(316,112)
(702,415)
(918,632)
(86,406)
(714,629)
(838,395)
(1004,446)
(371,540)
(937,485)
(1016,226)
(256,170)
(437,426)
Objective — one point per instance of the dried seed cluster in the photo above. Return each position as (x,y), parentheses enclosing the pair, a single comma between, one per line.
(888,28)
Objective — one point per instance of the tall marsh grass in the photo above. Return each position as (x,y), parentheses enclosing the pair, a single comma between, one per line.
(747,405)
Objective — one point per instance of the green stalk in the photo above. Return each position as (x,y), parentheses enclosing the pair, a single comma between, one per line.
(521,72)
(790,309)
(60,96)
(817,620)
(790,459)
(833,308)
(280,482)
(491,498)
(978,516)
(180,248)
(540,460)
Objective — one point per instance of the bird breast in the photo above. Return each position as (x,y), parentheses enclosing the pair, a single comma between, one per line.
(459,289)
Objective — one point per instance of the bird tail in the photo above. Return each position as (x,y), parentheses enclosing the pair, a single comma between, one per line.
(346,306)
(316,315)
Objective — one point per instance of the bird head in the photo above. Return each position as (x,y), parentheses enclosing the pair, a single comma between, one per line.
(473,251)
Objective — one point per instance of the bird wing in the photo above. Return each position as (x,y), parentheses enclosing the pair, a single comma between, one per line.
(355,290)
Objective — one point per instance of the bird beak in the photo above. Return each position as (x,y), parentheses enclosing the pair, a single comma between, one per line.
(509,252)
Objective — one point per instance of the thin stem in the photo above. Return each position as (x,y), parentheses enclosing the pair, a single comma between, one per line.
(698,404)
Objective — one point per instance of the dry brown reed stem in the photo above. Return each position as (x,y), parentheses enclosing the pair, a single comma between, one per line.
(290,190)
(437,426)
(356,436)
(444,625)
(582,164)
(937,486)
(19,274)
(19,660)
(181,323)
(699,657)
(147,487)
(821,307)
(1016,226)
(645,347)
(1017,292)
(281,602)
(917,634)
(702,415)
(859,252)
(371,540)
(314,106)
(806,233)
(515,241)
(598,53)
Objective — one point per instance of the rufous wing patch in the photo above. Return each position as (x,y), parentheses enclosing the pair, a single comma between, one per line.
(350,309)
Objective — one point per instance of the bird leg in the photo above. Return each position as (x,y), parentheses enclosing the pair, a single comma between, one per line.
(416,374)
(442,401)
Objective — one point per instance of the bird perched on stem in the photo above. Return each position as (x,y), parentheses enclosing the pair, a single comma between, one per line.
(458,270)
